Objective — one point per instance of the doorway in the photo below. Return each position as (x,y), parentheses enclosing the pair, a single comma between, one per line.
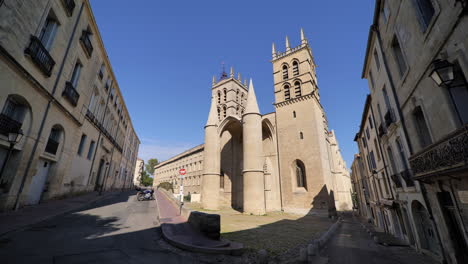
(97,185)
(36,187)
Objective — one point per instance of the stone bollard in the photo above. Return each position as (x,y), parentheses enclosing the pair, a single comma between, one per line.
(262,256)
(303,255)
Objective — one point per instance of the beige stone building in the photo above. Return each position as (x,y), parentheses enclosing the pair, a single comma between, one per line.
(417,66)
(139,167)
(285,160)
(58,88)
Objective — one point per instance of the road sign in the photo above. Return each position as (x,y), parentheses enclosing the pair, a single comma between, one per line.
(182,171)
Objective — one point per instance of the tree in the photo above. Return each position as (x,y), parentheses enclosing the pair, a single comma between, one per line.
(146,180)
(150,164)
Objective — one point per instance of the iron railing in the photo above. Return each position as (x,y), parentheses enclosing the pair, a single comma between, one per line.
(40,56)
(449,153)
(407,177)
(8,124)
(396,180)
(389,118)
(71,94)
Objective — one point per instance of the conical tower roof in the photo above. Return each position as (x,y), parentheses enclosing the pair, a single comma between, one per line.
(251,106)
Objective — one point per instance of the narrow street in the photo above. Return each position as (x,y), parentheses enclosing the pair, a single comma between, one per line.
(116,230)
(352,245)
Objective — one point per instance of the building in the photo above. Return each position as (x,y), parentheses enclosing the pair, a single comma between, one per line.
(58,88)
(417,66)
(285,160)
(139,168)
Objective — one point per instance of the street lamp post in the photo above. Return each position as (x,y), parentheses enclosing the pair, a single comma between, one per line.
(13,139)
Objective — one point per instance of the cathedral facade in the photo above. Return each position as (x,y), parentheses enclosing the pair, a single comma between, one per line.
(256,163)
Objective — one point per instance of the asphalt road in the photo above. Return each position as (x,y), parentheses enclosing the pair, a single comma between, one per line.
(117,230)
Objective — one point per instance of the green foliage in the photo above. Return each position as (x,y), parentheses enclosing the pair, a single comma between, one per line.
(166,185)
(150,164)
(187,197)
(146,180)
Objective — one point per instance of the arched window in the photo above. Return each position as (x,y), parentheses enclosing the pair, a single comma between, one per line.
(219,114)
(285,72)
(295,66)
(287,93)
(219,97)
(54,140)
(294,114)
(224,111)
(237,95)
(300,174)
(425,10)
(237,110)
(301,136)
(225,95)
(297,89)
(12,116)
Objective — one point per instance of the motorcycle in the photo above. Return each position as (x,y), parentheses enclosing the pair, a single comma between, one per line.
(145,195)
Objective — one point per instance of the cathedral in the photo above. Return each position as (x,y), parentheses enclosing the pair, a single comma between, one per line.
(287,160)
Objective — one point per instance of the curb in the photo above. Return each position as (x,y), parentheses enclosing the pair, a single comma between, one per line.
(329,233)
(45,218)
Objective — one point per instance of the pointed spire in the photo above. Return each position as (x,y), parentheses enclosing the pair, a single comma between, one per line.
(303,38)
(287,44)
(239,77)
(232,72)
(213,82)
(212,116)
(251,105)
(273,50)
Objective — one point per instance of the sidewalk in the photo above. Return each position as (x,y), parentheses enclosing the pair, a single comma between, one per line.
(11,221)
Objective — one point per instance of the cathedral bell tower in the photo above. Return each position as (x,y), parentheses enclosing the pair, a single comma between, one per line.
(300,122)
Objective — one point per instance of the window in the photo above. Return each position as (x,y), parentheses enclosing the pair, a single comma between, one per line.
(372,160)
(53,141)
(295,68)
(285,72)
(108,83)
(398,54)
(425,12)
(76,75)
(91,149)
(219,114)
(364,142)
(101,71)
(297,89)
(221,180)
(86,41)
(386,99)
(14,110)
(48,32)
(301,135)
(377,60)
(294,114)
(225,95)
(300,174)
(224,111)
(385,12)
(376,146)
(371,78)
(421,127)
(370,123)
(82,143)
(287,94)
(367,133)
(219,97)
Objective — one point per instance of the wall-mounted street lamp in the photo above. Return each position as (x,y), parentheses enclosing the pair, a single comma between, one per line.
(13,138)
(442,72)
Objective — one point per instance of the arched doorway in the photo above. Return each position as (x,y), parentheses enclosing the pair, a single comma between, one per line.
(231,155)
(425,229)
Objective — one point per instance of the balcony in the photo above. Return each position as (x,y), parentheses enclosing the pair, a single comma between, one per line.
(71,94)
(40,56)
(396,180)
(51,146)
(450,154)
(69,6)
(8,124)
(86,42)
(407,177)
(389,118)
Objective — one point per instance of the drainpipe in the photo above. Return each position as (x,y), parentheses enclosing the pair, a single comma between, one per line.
(46,113)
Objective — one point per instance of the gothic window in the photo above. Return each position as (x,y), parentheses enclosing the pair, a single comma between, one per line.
(295,66)
(301,135)
(294,114)
(237,110)
(297,89)
(221,180)
(242,99)
(219,97)
(398,54)
(225,95)
(377,60)
(300,174)
(425,11)
(285,72)
(237,95)
(287,94)
(101,71)
(224,111)
(421,127)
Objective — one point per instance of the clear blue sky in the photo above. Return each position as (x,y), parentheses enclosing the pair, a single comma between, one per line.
(164,54)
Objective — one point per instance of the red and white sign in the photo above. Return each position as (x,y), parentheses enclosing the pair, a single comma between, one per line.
(182,171)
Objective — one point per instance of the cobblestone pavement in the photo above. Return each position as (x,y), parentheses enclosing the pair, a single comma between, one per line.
(352,245)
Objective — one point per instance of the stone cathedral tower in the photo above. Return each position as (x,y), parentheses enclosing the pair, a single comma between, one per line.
(278,161)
